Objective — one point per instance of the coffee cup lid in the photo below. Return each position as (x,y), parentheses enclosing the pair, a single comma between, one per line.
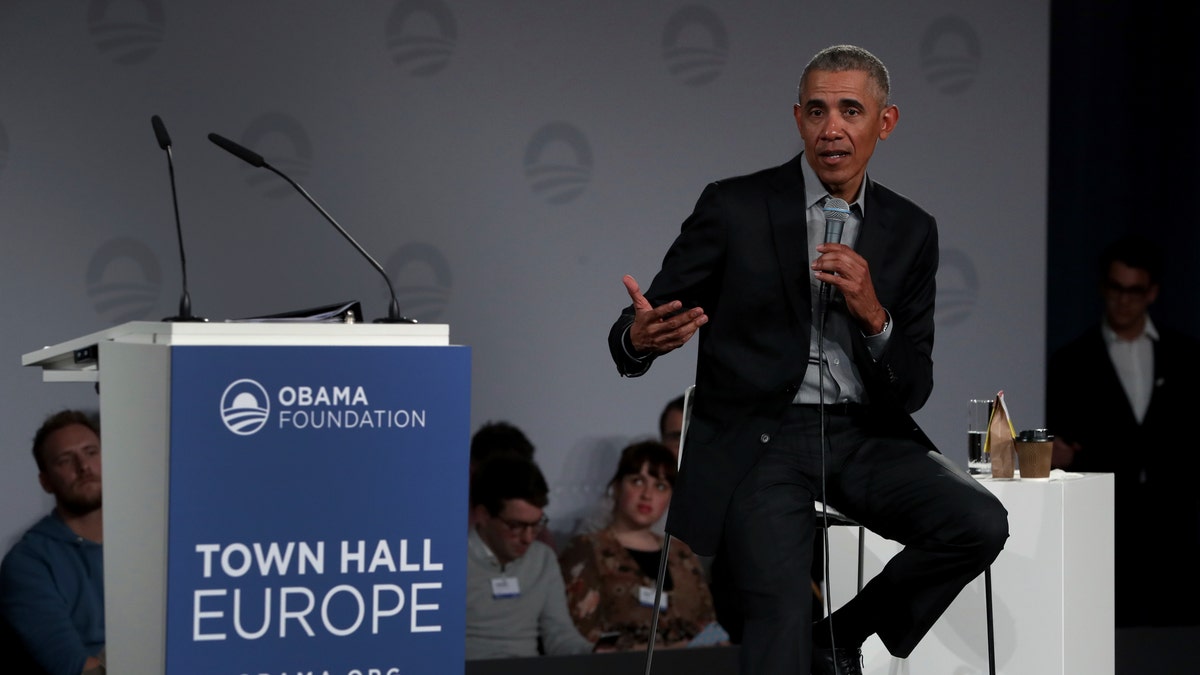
(1035,436)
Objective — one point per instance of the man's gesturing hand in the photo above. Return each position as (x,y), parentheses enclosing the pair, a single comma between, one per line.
(663,328)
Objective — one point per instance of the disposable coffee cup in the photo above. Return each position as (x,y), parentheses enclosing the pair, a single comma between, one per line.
(1034,449)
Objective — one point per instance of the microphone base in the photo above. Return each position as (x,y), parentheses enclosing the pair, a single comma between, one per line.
(399,319)
(185,319)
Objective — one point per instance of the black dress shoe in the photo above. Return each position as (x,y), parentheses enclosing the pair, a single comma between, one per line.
(848,661)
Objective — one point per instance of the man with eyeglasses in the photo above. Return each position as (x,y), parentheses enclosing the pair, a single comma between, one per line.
(1117,400)
(516,603)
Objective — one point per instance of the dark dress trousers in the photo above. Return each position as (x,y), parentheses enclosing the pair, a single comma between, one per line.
(752,461)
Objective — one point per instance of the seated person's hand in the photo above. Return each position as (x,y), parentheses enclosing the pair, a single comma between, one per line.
(607,642)
(1063,453)
(95,665)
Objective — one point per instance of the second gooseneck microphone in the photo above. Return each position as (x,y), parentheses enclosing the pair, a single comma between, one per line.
(256,160)
(185,300)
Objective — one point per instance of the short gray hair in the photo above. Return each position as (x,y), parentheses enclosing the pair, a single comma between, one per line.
(840,58)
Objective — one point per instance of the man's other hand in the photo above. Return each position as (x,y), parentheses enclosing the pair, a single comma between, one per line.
(660,329)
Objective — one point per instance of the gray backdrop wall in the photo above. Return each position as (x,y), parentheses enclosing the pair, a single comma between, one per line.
(506,162)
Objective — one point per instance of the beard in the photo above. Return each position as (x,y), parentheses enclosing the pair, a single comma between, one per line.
(80,503)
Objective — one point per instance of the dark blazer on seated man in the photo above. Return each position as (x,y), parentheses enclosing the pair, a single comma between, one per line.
(743,257)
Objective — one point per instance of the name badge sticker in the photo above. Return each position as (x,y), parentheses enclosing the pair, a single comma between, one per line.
(646,598)
(506,587)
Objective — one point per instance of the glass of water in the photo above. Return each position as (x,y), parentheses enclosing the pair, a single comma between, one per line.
(979,413)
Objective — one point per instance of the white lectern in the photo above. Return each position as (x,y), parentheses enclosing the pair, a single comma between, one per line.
(279,497)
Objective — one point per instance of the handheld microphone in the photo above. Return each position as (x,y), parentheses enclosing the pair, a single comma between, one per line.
(185,300)
(837,212)
(256,160)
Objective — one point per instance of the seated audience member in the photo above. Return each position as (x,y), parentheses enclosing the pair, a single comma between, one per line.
(670,432)
(515,597)
(52,581)
(611,574)
(670,425)
(502,438)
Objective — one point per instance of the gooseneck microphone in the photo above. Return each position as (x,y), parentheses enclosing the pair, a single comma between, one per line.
(185,300)
(256,160)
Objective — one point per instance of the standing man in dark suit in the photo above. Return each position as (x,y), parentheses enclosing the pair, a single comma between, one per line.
(746,271)
(1117,400)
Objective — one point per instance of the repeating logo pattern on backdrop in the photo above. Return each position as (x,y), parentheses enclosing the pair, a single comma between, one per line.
(419,51)
(695,45)
(284,143)
(950,54)
(126,31)
(558,163)
(245,407)
(421,275)
(124,280)
(958,287)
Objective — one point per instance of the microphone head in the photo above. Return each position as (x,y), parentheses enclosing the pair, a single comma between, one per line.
(252,158)
(836,209)
(837,212)
(160,132)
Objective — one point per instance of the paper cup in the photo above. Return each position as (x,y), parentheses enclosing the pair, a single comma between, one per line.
(1033,457)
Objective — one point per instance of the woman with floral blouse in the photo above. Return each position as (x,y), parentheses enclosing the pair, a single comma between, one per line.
(610,575)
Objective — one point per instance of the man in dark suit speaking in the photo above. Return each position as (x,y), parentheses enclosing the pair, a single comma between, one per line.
(769,434)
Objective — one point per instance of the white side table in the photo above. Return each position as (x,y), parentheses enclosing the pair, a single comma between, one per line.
(1052,588)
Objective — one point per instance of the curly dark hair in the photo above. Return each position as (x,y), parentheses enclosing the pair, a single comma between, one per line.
(504,477)
(494,438)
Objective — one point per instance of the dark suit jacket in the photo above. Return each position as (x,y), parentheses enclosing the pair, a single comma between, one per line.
(1085,403)
(1154,466)
(742,256)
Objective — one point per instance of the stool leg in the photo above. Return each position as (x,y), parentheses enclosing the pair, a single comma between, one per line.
(991,642)
(862,545)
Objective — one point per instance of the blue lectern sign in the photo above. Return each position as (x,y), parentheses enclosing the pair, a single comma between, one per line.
(317,510)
